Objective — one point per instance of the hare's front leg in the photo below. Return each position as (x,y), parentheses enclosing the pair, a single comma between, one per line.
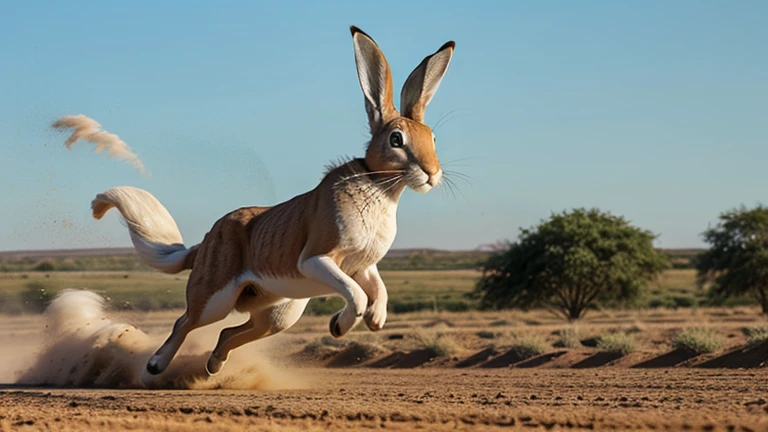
(370,281)
(323,269)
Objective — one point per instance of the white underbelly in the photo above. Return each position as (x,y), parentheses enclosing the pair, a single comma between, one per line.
(294,288)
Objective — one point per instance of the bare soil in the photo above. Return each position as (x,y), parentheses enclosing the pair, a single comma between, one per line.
(427,399)
(384,382)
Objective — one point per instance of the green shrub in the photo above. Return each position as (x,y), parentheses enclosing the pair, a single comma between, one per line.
(700,340)
(44,266)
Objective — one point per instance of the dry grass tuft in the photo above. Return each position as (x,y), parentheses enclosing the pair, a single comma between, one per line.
(616,343)
(439,342)
(756,335)
(569,338)
(701,340)
(529,346)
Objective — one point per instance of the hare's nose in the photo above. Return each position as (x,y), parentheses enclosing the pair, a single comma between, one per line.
(435,178)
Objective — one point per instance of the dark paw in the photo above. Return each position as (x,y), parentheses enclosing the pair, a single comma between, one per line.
(213,366)
(153,368)
(371,327)
(334,326)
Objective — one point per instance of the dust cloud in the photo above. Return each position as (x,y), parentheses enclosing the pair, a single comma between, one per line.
(82,347)
(88,129)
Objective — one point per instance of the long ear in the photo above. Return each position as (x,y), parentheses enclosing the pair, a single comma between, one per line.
(423,82)
(375,80)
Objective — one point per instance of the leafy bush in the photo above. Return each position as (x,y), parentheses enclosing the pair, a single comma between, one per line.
(573,262)
(44,266)
(700,340)
(736,262)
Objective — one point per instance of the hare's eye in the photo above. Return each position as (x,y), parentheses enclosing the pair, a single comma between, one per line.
(396,139)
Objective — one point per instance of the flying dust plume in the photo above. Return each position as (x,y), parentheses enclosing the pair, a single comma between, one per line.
(84,348)
(88,129)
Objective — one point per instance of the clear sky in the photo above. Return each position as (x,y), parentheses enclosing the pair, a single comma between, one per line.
(655,110)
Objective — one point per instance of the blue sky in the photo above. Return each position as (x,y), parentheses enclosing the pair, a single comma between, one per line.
(654,110)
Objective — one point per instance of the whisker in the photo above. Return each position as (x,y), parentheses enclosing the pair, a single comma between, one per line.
(449,187)
(376,188)
(357,175)
(446,118)
(450,162)
(379,192)
(443,117)
(461,176)
(389,180)
(454,186)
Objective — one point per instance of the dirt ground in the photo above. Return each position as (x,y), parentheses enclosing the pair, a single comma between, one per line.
(425,399)
(346,390)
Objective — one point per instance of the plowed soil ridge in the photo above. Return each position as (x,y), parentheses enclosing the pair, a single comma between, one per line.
(490,358)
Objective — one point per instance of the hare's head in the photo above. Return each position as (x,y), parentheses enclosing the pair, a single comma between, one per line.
(400,142)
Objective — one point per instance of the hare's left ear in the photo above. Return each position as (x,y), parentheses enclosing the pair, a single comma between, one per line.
(422,83)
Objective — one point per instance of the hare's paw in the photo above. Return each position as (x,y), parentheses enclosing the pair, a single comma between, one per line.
(376,315)
(214,364)
(343,321)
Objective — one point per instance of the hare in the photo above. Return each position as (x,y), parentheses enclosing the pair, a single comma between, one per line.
(269,261)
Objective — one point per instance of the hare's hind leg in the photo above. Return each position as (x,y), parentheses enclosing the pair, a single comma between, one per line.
(202,309)
(262,323)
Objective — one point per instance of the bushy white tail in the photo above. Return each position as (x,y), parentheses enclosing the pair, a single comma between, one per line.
(153,231)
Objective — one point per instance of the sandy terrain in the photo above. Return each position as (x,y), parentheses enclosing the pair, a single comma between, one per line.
(429,399)
(394,385)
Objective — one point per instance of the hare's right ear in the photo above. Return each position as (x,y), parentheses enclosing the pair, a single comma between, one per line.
(422,83)
(375,80)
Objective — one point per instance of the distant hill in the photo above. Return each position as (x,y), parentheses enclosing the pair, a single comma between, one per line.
(67,253)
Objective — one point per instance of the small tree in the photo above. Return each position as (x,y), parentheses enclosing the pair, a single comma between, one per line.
(570,263)
(737,261)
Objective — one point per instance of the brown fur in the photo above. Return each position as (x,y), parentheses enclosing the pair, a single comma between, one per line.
(269,240)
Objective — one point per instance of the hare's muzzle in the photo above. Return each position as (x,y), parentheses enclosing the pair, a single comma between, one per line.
(435,178)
